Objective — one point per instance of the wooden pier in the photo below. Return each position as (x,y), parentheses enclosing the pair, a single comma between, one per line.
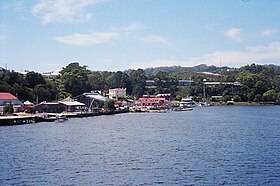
(17,120)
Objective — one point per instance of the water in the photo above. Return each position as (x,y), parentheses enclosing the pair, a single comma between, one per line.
(206,146)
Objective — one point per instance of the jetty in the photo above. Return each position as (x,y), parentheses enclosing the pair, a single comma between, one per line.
(16,120)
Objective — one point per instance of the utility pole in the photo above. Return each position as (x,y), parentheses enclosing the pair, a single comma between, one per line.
(204,91)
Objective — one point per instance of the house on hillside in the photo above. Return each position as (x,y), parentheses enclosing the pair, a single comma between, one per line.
(7,99)
(186,82)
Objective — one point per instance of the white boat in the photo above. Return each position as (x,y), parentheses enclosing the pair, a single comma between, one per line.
(58,117)
(203,104)
(61,118)
(187,103)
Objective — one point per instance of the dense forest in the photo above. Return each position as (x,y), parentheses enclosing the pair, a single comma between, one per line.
(259,83)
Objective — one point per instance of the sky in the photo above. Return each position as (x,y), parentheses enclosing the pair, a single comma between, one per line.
(112,35)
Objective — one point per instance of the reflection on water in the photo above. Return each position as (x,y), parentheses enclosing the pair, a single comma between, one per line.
(206,146)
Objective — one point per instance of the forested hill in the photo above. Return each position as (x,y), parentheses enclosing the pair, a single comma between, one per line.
(180,69)
(258,82)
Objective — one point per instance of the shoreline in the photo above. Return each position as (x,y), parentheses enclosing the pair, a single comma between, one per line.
(32,118)
(243,104)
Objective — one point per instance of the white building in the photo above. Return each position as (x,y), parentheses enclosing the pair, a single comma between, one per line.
(117,92)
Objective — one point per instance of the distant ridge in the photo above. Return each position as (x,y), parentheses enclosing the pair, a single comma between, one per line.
(180,69)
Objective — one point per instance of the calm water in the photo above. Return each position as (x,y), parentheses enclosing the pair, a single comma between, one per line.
(206,146)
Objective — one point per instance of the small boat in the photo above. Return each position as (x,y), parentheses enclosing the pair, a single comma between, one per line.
(61,118)
(203,104)
(57,117)
(183,109)
(157,110)
(45,117)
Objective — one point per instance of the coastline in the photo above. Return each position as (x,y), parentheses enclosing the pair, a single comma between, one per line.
(243,103)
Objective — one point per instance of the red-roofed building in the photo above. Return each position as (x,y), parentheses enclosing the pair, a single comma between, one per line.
(6,99)
(7,96)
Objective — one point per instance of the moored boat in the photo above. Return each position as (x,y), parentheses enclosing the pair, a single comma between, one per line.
(183,109)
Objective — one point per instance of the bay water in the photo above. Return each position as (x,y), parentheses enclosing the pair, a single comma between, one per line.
(223,145)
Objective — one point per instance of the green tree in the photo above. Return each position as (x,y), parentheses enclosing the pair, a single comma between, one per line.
(12,77)
(34,79)
(76,79)
(258,98)
(5,87)
(236,98)
(138,80)
(45,92)
(9,109)
(97,81)
(270,95)
(109,105)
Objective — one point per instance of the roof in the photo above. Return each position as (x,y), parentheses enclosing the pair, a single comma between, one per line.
(72,103)
(186,81)
(48,103)
(7,96)
(95,96)
(151,99)
(164,95)
(119,88)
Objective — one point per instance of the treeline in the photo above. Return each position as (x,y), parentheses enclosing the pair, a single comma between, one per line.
(259,83)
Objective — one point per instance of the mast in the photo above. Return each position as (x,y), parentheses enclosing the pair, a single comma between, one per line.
(204,91)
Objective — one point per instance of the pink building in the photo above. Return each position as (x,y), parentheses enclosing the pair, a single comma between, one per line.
(151,101)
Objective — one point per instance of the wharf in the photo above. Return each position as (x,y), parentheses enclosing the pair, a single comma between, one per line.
(17,120)
(23,119)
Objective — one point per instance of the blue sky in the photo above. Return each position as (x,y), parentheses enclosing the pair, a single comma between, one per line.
(112,35)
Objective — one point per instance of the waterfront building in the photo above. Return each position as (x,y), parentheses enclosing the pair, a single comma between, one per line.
(151,101)
(117,93)
(61,106)
(7,99)
(91,99)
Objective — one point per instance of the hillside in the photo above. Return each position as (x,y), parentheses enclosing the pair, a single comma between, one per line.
(180,69)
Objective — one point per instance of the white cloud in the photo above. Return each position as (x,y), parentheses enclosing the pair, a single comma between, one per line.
(264,54)
(155,39)
(98,37)
(234,33)
(88,39)
(257,54)
(127,29)
(63,10)
(270,32)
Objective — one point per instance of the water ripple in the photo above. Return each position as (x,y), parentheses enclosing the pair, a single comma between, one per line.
(213,146)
